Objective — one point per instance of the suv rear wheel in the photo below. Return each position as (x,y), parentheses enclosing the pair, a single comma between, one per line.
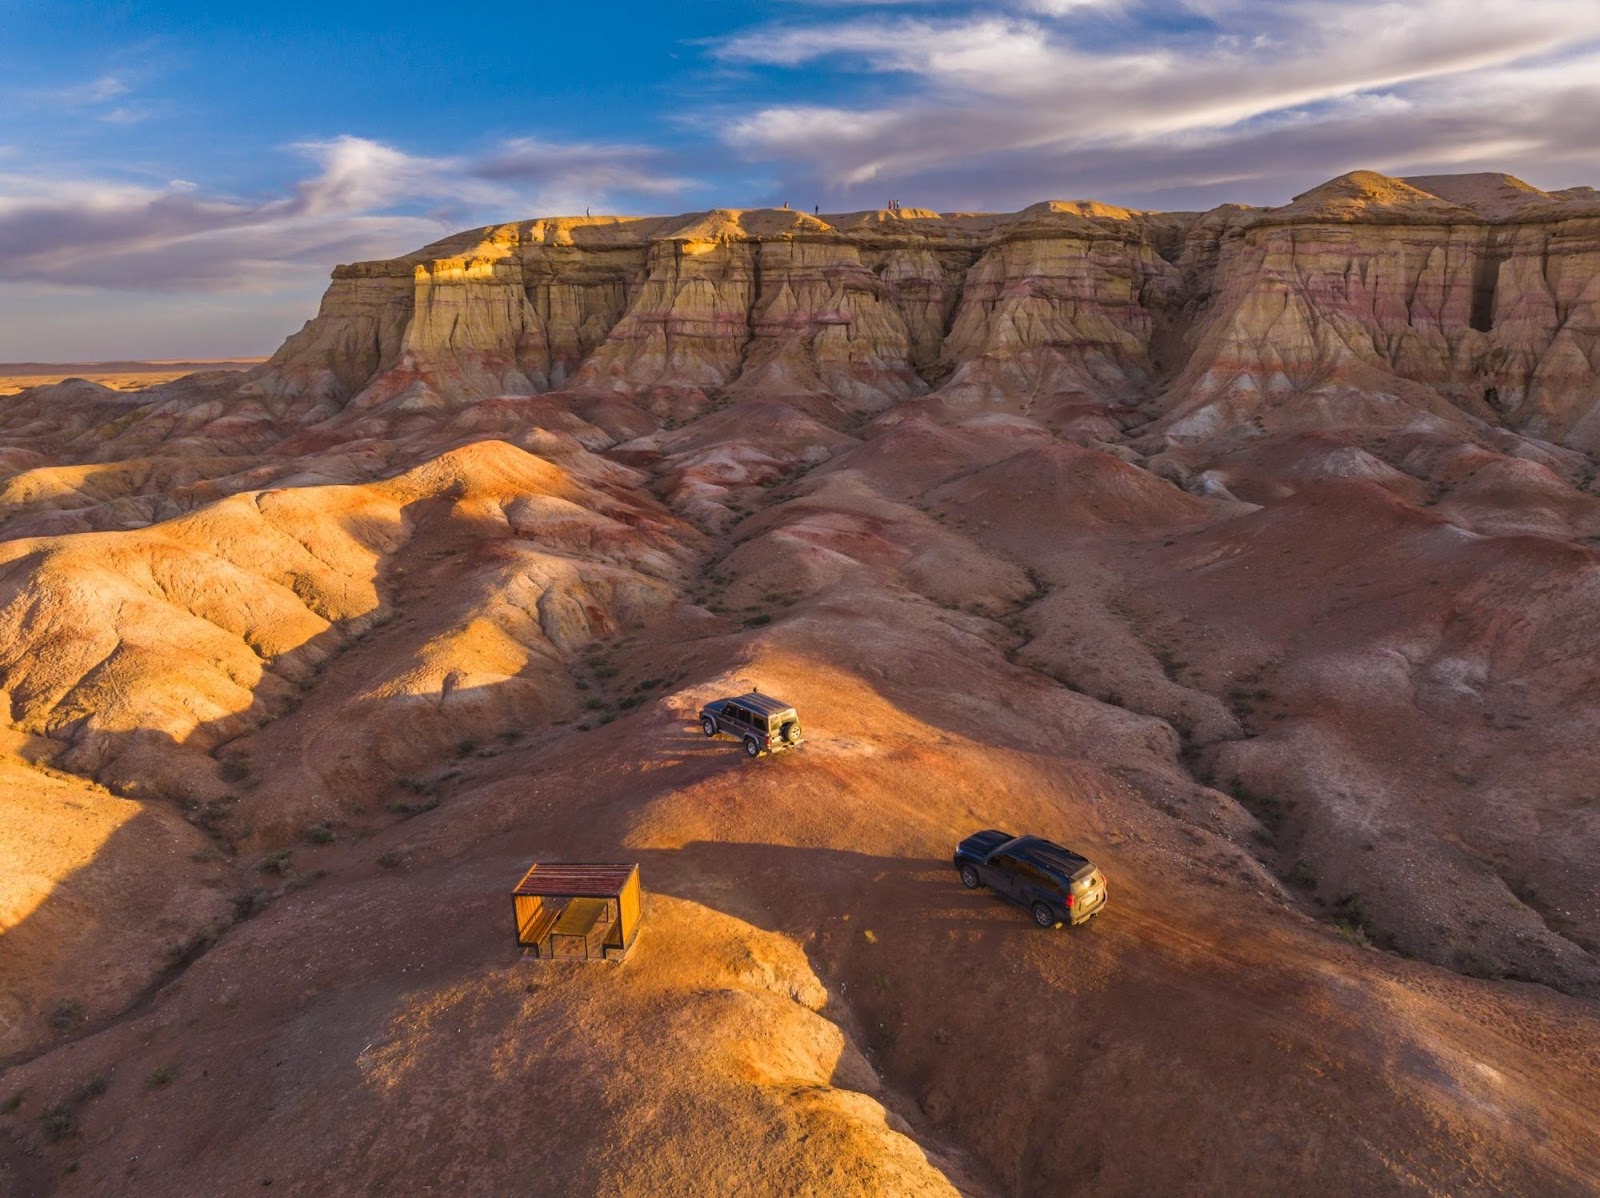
(969,878)
(751,749)
(1043,916)
(709,726)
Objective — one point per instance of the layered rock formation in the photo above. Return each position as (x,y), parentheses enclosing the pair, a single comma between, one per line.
(1483,304)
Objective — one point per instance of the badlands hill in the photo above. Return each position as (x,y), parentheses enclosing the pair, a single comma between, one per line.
(1250,552)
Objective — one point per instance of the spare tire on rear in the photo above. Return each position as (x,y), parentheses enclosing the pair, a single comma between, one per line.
(790,733)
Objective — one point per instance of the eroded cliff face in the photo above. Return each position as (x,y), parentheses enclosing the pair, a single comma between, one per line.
(1385,302)
(1367,289)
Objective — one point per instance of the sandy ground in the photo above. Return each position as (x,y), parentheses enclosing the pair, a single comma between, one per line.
(496,658)
(121,376)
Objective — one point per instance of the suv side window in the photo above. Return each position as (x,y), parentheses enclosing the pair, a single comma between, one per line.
(1005,863)
(735,713)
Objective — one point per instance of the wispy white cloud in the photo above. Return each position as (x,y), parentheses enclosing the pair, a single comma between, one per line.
(365,199)
(109,98)
(80,95)
(1021,89)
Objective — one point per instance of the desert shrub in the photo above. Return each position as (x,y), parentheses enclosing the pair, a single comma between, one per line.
(11,1104)
(236,769)
(1353,932)
(65,1015)
(391,859)
(58,1122)
(92,1089)
(277,862)
(466,747)
(161,1076)
(757,621)
(321,834)
(401,807)
(1302,875)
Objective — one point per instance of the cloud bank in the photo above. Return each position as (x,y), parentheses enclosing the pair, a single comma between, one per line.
(1178,102)
(364,199)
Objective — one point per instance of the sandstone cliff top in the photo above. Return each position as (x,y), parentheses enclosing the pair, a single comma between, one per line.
(1356,197)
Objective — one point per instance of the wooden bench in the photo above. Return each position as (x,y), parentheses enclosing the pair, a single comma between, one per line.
(536,925)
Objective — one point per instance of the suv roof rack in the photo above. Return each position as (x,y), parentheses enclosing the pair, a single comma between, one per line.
(1050,855)
(762,704)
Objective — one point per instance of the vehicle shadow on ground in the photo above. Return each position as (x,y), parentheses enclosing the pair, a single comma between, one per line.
(869,925)
(890,939)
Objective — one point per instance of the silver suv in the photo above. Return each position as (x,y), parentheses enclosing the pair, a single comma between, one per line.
(762,723)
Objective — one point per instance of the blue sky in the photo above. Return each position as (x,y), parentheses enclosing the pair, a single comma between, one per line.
(177,179)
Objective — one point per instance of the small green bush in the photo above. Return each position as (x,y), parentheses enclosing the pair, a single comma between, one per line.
(321,834)
(1354,933)
(161,1076)
(58,1122)
(277,862)
(65,1015)
(401,807)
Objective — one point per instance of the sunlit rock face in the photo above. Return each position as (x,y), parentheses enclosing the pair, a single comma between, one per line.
(1481,301)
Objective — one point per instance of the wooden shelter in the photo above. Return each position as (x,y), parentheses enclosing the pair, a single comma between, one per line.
(577,912)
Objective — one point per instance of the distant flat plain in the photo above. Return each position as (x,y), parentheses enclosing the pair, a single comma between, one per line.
(122,376)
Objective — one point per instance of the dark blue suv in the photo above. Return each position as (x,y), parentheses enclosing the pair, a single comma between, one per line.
(1055,884)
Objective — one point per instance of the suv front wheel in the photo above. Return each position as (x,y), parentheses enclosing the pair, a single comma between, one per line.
(1043,916)
(709,726)
(969,877)
(751,749)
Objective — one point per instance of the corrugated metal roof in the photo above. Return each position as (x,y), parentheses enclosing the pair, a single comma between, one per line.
(579,881)
(762,704)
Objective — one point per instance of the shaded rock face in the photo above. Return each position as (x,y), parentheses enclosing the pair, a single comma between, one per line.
(1497,319)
